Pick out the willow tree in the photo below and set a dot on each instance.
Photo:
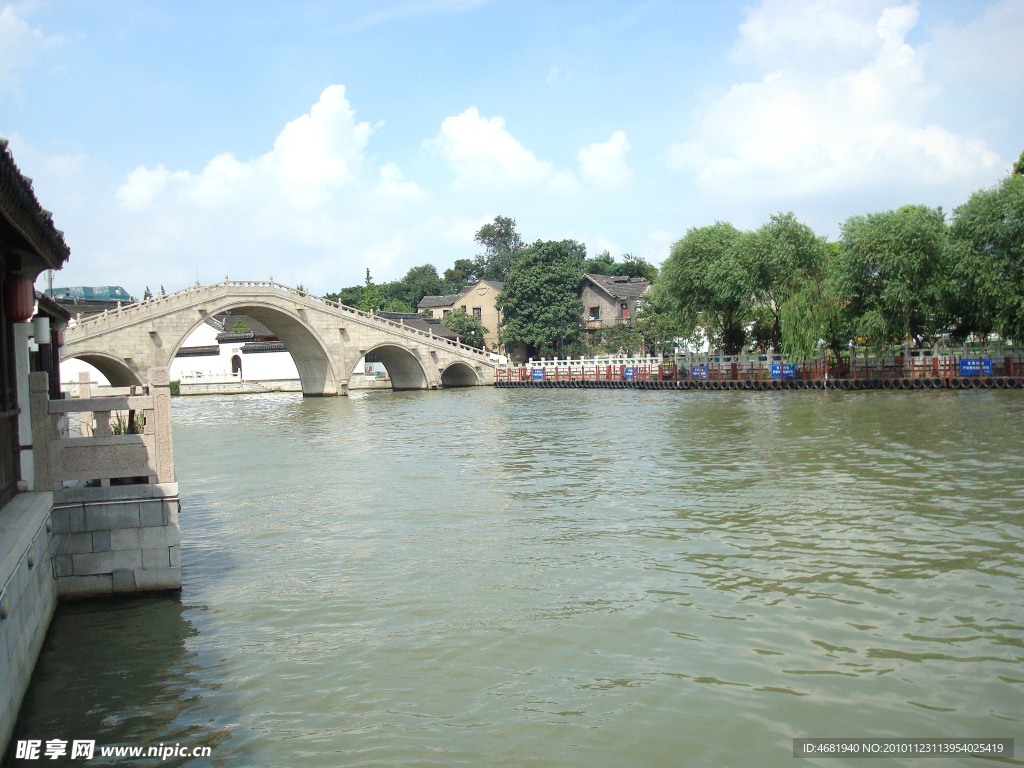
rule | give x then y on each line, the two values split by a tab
786	264
704	285
986	260
890	274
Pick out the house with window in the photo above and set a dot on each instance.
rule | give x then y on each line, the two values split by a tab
477	300
610	300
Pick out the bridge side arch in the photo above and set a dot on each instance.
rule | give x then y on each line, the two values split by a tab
459	374
310	353
116	370
404	368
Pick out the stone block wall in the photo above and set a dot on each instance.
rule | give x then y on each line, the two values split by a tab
116	540
28	596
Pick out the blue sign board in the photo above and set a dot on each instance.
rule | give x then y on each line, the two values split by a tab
783	371
973	366
699	372
538	374
627	373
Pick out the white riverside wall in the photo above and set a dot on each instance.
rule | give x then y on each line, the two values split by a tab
116	540
28	596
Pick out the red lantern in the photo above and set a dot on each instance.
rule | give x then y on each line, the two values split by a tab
19	298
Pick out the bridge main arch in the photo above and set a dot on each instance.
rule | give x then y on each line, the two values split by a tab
309	351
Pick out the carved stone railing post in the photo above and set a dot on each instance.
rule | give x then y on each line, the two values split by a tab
42	429
85	392
160	391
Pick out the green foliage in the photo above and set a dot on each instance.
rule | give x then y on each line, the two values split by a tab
147	294
162	291
889	274
612	338
704	286
502	243
240	327
461	274
602	264
540	302
630	266
176	387
785	264
419	282
1018	167
657	328
372	297
985	259
468	327
120	424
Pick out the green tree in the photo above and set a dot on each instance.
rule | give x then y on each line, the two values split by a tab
814	312
658	329
240	327
985	257
637	266
785	262
890	274
371	298
540	301
602	264
704	286
461	274
147	294
468	327
421	281
502	243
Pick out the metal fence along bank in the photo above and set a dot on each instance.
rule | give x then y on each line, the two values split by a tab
932	368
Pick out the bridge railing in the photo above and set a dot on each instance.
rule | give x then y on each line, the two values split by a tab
189	294
126	435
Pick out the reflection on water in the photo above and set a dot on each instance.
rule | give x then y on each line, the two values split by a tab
568	577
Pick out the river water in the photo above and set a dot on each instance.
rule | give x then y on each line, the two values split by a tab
566	578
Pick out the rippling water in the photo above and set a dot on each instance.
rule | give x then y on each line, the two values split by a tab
567	578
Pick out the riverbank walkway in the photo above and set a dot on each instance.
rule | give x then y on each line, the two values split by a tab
933	368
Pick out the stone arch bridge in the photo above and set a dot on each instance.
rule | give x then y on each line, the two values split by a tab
325	339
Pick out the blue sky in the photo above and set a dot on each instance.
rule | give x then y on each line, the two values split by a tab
310	141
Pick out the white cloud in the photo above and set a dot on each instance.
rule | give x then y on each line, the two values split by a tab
819	124
604	165
314	156
20	47
482	153
984	54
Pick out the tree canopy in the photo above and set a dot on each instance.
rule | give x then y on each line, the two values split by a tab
502	243
468	327
540	302
890	276
705	285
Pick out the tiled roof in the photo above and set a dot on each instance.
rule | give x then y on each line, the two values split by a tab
419	323
620	287
23	218
432	302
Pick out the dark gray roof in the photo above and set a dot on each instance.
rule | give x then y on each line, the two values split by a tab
24	223
430	302
420	323
259	331
620	287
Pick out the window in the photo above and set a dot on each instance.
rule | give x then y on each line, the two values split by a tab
478	314
595	313
625	311
446	313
